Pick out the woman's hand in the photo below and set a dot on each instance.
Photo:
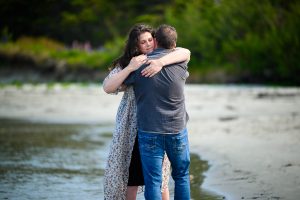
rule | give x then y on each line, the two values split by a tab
136	62
154	67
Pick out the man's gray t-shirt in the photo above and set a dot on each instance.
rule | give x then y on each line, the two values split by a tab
160	99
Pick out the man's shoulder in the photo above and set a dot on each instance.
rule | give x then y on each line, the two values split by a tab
157	53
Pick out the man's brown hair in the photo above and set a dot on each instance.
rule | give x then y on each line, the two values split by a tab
166	36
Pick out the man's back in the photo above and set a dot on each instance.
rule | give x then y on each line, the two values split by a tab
162	121
160	99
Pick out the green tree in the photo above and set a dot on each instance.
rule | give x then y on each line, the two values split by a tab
255	39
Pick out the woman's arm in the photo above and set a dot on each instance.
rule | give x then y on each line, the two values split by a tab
114	82
178	55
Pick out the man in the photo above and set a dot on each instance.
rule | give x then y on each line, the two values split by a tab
162	119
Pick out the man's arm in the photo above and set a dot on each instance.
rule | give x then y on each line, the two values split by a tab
176	56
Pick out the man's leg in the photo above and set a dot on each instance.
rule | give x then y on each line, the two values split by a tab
152	155
177	148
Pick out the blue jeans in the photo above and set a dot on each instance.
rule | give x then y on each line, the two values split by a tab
152	148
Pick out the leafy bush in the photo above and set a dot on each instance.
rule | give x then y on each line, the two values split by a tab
40	50
258	38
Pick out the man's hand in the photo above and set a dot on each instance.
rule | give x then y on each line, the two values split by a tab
154	67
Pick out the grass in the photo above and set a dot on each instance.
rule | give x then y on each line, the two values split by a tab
40	50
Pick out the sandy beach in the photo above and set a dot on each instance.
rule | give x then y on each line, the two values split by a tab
250	135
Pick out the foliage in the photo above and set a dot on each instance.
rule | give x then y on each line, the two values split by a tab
96	21
255	38
40	50
233	40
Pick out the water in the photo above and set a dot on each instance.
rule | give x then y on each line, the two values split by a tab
64	161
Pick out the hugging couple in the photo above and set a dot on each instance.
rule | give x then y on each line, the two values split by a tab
150	135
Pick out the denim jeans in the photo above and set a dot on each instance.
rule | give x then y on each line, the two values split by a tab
152	148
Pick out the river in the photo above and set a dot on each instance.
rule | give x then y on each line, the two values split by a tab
63	161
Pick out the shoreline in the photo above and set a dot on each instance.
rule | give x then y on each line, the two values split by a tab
249	135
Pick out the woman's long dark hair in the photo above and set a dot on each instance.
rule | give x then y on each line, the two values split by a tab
131	48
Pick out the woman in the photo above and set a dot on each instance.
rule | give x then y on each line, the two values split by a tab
123	173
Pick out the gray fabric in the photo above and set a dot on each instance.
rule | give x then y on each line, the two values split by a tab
160	99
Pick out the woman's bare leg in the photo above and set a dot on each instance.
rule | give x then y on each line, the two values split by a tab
165	194
131	192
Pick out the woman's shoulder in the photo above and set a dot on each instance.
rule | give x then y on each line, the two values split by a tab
115	69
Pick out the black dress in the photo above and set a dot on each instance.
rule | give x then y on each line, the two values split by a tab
136	177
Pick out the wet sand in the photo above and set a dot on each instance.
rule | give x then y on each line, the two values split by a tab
249	135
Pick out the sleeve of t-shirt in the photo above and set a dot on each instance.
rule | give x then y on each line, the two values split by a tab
184	73
130	80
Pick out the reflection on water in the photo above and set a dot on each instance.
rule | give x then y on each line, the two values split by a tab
63	161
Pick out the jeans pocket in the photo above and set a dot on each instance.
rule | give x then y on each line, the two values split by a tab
147	144
179	144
